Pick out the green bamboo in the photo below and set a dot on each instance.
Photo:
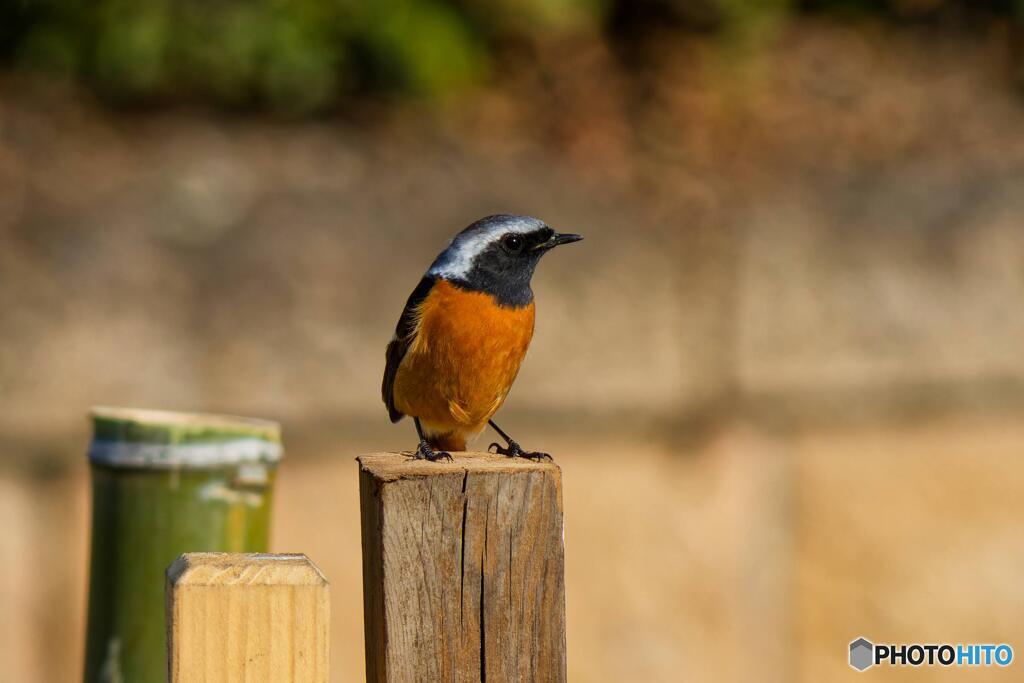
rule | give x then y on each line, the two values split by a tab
164	484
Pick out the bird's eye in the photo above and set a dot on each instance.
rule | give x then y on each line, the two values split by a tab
513	243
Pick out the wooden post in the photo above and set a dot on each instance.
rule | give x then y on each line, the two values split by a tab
163	484
463	571
247	617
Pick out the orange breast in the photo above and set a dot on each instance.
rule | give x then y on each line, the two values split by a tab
465	356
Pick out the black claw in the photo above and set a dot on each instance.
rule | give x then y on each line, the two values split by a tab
536	455
514	450
426	452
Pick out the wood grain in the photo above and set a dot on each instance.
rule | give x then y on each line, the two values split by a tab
463	569
246	617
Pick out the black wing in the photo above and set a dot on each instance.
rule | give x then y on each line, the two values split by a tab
404	333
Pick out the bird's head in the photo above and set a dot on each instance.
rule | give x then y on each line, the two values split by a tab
497	255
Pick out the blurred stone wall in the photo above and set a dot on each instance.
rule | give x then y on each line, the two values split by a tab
848	227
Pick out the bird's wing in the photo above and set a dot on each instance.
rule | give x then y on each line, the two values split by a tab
405	332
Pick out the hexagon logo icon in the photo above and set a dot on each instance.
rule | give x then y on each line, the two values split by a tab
862	654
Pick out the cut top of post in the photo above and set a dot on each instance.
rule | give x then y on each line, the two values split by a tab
394	466
248	569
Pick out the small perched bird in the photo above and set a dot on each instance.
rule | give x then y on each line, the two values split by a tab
463	334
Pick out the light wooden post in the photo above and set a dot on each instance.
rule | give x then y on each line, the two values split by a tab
463	571
247	617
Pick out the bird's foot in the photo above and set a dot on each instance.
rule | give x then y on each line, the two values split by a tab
426	452
514	450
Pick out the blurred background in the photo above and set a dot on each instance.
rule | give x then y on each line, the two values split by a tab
783	375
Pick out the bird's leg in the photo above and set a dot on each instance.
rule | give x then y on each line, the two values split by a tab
425	451
514	450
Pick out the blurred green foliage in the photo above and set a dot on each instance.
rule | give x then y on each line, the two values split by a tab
297	55
305	55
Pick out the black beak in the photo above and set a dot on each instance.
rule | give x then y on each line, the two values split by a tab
557	239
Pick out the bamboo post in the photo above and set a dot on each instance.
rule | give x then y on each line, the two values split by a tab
463	572
163	484
247	617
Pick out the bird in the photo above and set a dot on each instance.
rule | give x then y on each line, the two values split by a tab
462	336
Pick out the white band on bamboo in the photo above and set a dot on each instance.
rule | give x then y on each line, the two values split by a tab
207	454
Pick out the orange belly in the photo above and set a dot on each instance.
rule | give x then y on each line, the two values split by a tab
461	365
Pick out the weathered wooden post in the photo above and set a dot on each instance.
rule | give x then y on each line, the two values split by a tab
247	617
163	484
463	570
